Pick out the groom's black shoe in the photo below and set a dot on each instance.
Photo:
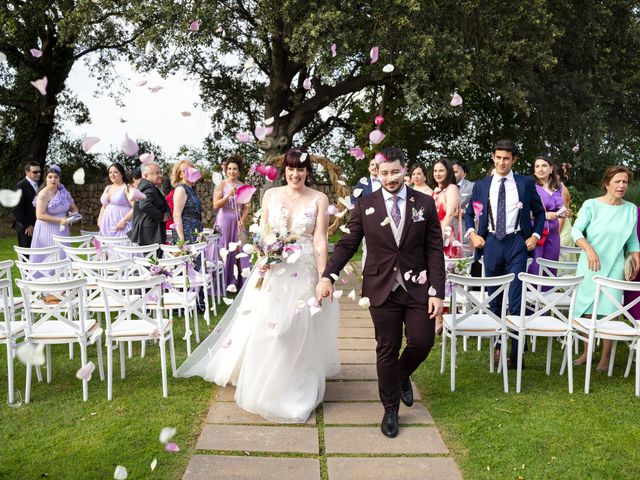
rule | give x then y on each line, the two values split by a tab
389	425
406	392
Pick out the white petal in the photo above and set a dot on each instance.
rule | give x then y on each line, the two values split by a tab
28	353
154	464
147	157
232	246
344	229
301	304
369	211
334	276
388	68
283	113
342	182
364	302
281	271
346	201
407	275
432	291
231	288
246	271
386	221
3	58
120	473
78	176
227	301
269	121
223	254
88	142
166	434
293	258
10	198
357	192
314	310
352	295
247	248
337	293
41	85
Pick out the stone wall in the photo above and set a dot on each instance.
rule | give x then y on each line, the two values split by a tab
87	198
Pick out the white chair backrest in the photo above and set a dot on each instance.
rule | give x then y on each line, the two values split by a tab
106	269
45	272
606	288
70	295
51	254
5	270
82	253
551	302
87	232
476	305
113	240
133	299
566	250
6	309
79	241
561	268
145	251
177	268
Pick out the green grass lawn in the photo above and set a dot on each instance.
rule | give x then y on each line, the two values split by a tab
58	435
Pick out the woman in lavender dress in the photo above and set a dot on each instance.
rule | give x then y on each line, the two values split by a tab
115	215
554	196
230	220
53	203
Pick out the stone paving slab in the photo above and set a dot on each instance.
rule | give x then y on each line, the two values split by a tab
354	413
356	323
207	467
357	372
258	439
357	356
230	412
356	344
350	332
370	440
225	394
356	392
393	469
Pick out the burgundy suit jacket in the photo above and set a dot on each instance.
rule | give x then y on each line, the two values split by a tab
420	248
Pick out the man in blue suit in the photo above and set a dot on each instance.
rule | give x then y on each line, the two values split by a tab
370	184
505	236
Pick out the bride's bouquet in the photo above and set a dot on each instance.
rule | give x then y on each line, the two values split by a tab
275	247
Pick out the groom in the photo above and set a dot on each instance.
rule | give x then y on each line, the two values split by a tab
403	277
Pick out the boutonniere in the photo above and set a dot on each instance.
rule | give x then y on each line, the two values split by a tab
411	199
519	205
417	215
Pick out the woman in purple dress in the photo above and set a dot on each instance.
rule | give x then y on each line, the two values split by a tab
555	198
53	203
115	215
230	220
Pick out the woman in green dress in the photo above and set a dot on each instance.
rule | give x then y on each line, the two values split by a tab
606	231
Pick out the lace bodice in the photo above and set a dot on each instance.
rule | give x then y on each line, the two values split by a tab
301	222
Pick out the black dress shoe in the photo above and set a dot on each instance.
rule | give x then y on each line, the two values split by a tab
406	392
389	425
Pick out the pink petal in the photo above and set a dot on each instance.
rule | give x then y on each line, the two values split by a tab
88	142
97	244
307	83
378	120
268	171
477	208
576	148
41	85
422	277
374	55
262	132
194	26
243	137
338	293
84	373
121	119
155	88
129	147
380	157
141	83
135	195
376	136
244	194
192	174
357	153
332	210
171	447
432	291
225	343
456	100
147	157
185	113
35	52
333	50
219	29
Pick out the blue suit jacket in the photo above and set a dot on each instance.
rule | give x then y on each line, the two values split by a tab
367	189
531	207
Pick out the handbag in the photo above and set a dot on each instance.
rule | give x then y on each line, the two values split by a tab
629	267
543	238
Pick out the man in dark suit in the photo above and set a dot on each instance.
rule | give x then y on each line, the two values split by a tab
25	212
403	277
150	213
505	236
369	184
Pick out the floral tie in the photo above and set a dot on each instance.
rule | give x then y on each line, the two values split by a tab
501	220
395	211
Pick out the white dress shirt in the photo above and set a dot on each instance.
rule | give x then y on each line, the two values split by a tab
375	184
34	184
396	230
512	204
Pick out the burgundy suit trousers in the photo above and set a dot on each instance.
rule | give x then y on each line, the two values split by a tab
398	311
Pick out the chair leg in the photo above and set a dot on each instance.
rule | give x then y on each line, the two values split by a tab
172	352
207	314
612	357
130	347
491	349
27	388
38	373
187	334
629	360
464	343
637	371
479	343
10	369
452	367
503	362
163	367
521	342
47	351
109	369
534	344
569	360
143	348
587	376
71	351
98	343
443	360
549	348
196	327
83	363
122	359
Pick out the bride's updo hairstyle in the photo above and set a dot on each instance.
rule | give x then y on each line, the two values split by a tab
294	159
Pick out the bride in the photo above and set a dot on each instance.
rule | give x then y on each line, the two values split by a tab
275	343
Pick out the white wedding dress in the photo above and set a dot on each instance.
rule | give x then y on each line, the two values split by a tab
267	344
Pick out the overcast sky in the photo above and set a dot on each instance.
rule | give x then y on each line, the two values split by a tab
154	117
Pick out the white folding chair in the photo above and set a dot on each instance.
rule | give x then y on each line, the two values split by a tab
64	322
611	327
90	253
179	297
463	267
215	268
569	254
131	251
10	330
52	272
78	241
548	317
49	254
137	306
477	320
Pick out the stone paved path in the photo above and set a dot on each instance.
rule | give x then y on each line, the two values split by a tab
341	442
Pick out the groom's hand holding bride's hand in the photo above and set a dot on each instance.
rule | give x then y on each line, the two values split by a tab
324	289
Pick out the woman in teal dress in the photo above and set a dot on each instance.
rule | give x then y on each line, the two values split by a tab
606	230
